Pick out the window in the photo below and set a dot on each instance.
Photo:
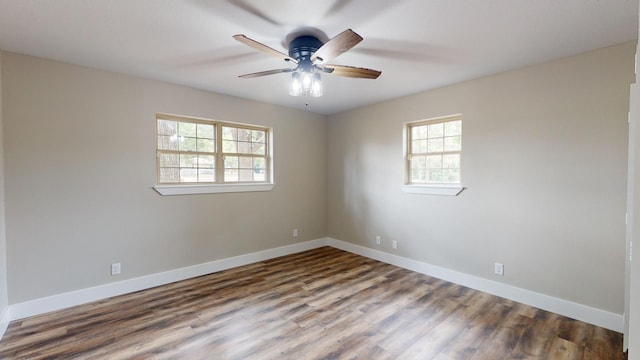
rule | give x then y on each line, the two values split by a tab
186	152
244	151
433	151
200	151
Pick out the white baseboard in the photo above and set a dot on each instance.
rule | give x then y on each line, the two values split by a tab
60	301
82	296
570	309
5	320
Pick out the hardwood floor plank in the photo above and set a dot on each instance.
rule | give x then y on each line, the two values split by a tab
319	304
479	329
433	342
397	343
539	339
601	341
505	337
564	349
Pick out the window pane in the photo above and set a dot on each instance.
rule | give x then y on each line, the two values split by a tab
257	149
169	175
246	175
205	145
188	175
435	175
167	127
206	162
245	162
435	130
257	136
229	146
453	143
186	129
259	176
453	128
451	176
188	161
435	145
259	164
244	147
169	160
187	143
231	175
259	169
229	133
434	161
451	161
205	131
419	146
206	175
244	135
418	132
418	175
166	142
418	162
230	162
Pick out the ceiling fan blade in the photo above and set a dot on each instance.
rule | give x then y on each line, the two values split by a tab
336	46
242	4
264	48
265	73
351	71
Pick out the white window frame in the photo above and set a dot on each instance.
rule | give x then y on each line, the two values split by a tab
219	186
426	188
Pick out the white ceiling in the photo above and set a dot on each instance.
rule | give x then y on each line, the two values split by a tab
417	44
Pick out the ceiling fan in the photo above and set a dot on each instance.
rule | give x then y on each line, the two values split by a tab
311	56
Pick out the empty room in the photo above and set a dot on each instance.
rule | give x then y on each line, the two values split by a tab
339	179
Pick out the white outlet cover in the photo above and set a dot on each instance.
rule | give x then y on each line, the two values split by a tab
394	244
498	269
115	269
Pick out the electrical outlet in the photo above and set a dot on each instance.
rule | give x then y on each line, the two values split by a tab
295	232
115	269
378	240
394	244
498	269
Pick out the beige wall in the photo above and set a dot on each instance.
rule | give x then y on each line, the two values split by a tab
3	248
544	164
80	166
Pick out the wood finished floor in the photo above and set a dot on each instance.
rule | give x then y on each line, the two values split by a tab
320	304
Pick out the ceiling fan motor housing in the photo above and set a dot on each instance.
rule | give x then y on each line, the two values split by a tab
302	48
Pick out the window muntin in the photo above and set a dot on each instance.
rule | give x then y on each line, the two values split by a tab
197	151
434	148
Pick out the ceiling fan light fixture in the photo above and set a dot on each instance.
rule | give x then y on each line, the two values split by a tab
316	85
305	83
307	79
295	87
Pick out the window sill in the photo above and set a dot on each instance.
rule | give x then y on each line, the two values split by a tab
210	189
432	189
